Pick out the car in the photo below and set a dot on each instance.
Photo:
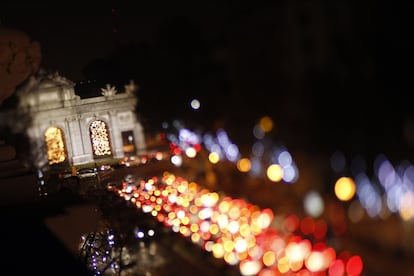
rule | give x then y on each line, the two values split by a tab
119	165
113	186
105	167
87	172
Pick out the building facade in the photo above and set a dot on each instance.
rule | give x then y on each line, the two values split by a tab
63	128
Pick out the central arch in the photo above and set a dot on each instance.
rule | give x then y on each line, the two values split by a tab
100	139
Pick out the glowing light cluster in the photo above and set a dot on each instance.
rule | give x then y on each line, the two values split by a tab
276	160
389	190
186	141
100	138
221	146
100	248
104	253
236	231
275	163
136	160
55	145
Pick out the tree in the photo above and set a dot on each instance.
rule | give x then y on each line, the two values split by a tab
20	57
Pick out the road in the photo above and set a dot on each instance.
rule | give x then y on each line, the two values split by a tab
384	245
54	225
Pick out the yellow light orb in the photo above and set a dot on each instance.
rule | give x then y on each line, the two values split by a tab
213	157
218	250
283	265
345	188
275	172
269	258
266	124
406	209
244	165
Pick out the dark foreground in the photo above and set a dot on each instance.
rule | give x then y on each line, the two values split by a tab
29	247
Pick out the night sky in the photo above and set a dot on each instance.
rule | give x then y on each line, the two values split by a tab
331	75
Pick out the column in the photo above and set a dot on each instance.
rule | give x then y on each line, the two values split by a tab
115	134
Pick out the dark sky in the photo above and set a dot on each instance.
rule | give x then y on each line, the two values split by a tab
330	74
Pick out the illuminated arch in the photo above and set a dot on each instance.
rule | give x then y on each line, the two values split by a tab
99	135
55	145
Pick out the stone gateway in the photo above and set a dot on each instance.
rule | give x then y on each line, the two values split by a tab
63	128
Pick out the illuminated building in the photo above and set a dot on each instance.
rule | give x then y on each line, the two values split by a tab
63	128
